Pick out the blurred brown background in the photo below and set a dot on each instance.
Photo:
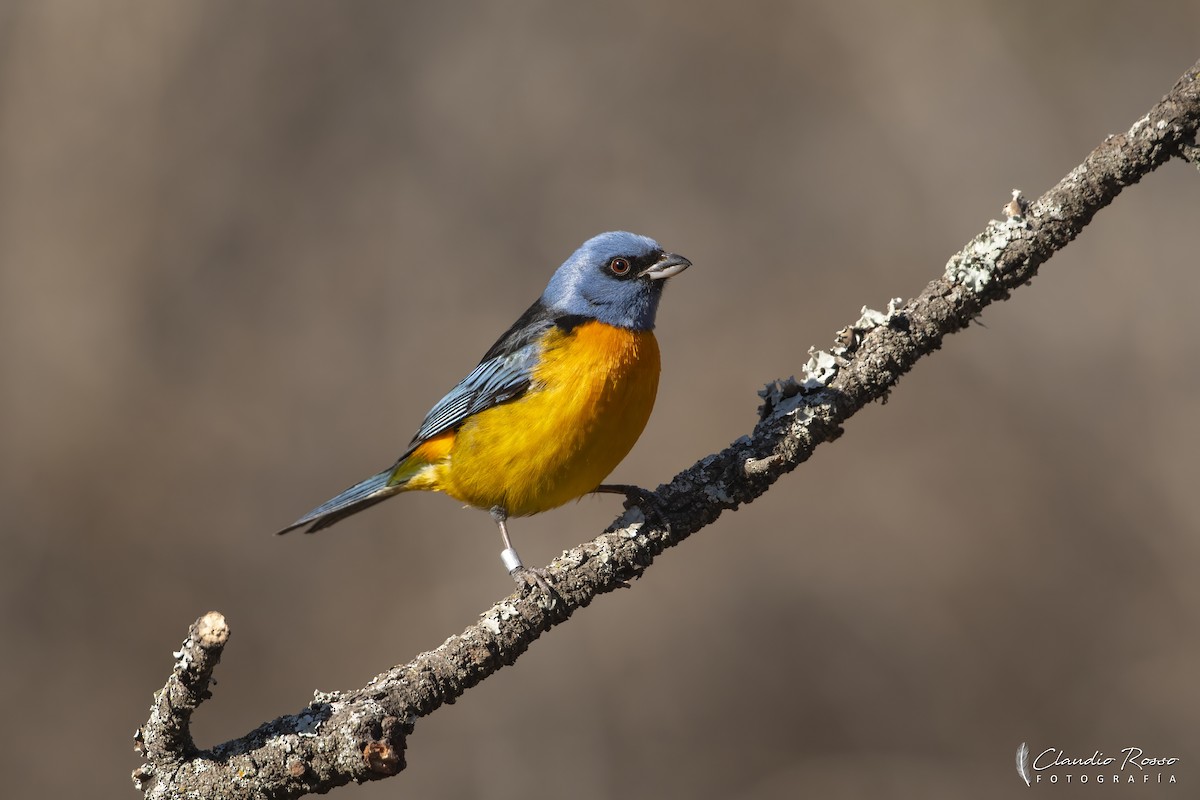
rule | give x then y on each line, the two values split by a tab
245	246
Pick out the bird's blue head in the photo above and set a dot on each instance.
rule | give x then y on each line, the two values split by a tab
616	278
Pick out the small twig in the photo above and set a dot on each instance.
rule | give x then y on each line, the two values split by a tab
166	739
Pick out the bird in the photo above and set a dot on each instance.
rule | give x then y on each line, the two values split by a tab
552	407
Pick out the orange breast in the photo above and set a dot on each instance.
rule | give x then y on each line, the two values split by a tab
591	398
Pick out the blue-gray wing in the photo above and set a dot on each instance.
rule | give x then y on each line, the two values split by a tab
497	380
504	374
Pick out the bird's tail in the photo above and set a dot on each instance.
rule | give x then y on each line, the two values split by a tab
359	496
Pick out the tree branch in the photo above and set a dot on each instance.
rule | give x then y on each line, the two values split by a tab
359	735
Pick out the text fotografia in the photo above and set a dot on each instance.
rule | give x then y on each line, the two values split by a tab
1131	765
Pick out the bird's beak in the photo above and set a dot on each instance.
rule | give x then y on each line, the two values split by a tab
670	264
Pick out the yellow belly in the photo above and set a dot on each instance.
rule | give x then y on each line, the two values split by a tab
591	397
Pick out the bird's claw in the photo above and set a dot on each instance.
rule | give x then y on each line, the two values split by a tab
644	499
532	578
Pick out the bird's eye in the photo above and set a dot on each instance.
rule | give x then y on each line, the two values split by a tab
619	266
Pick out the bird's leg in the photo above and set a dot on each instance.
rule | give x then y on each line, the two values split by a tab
524	576
637	496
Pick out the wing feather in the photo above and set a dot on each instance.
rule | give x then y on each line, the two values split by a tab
504	374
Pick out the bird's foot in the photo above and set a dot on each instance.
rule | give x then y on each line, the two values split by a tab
644	499
525	576
533	578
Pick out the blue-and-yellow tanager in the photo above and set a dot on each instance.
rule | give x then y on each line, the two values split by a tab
552	408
